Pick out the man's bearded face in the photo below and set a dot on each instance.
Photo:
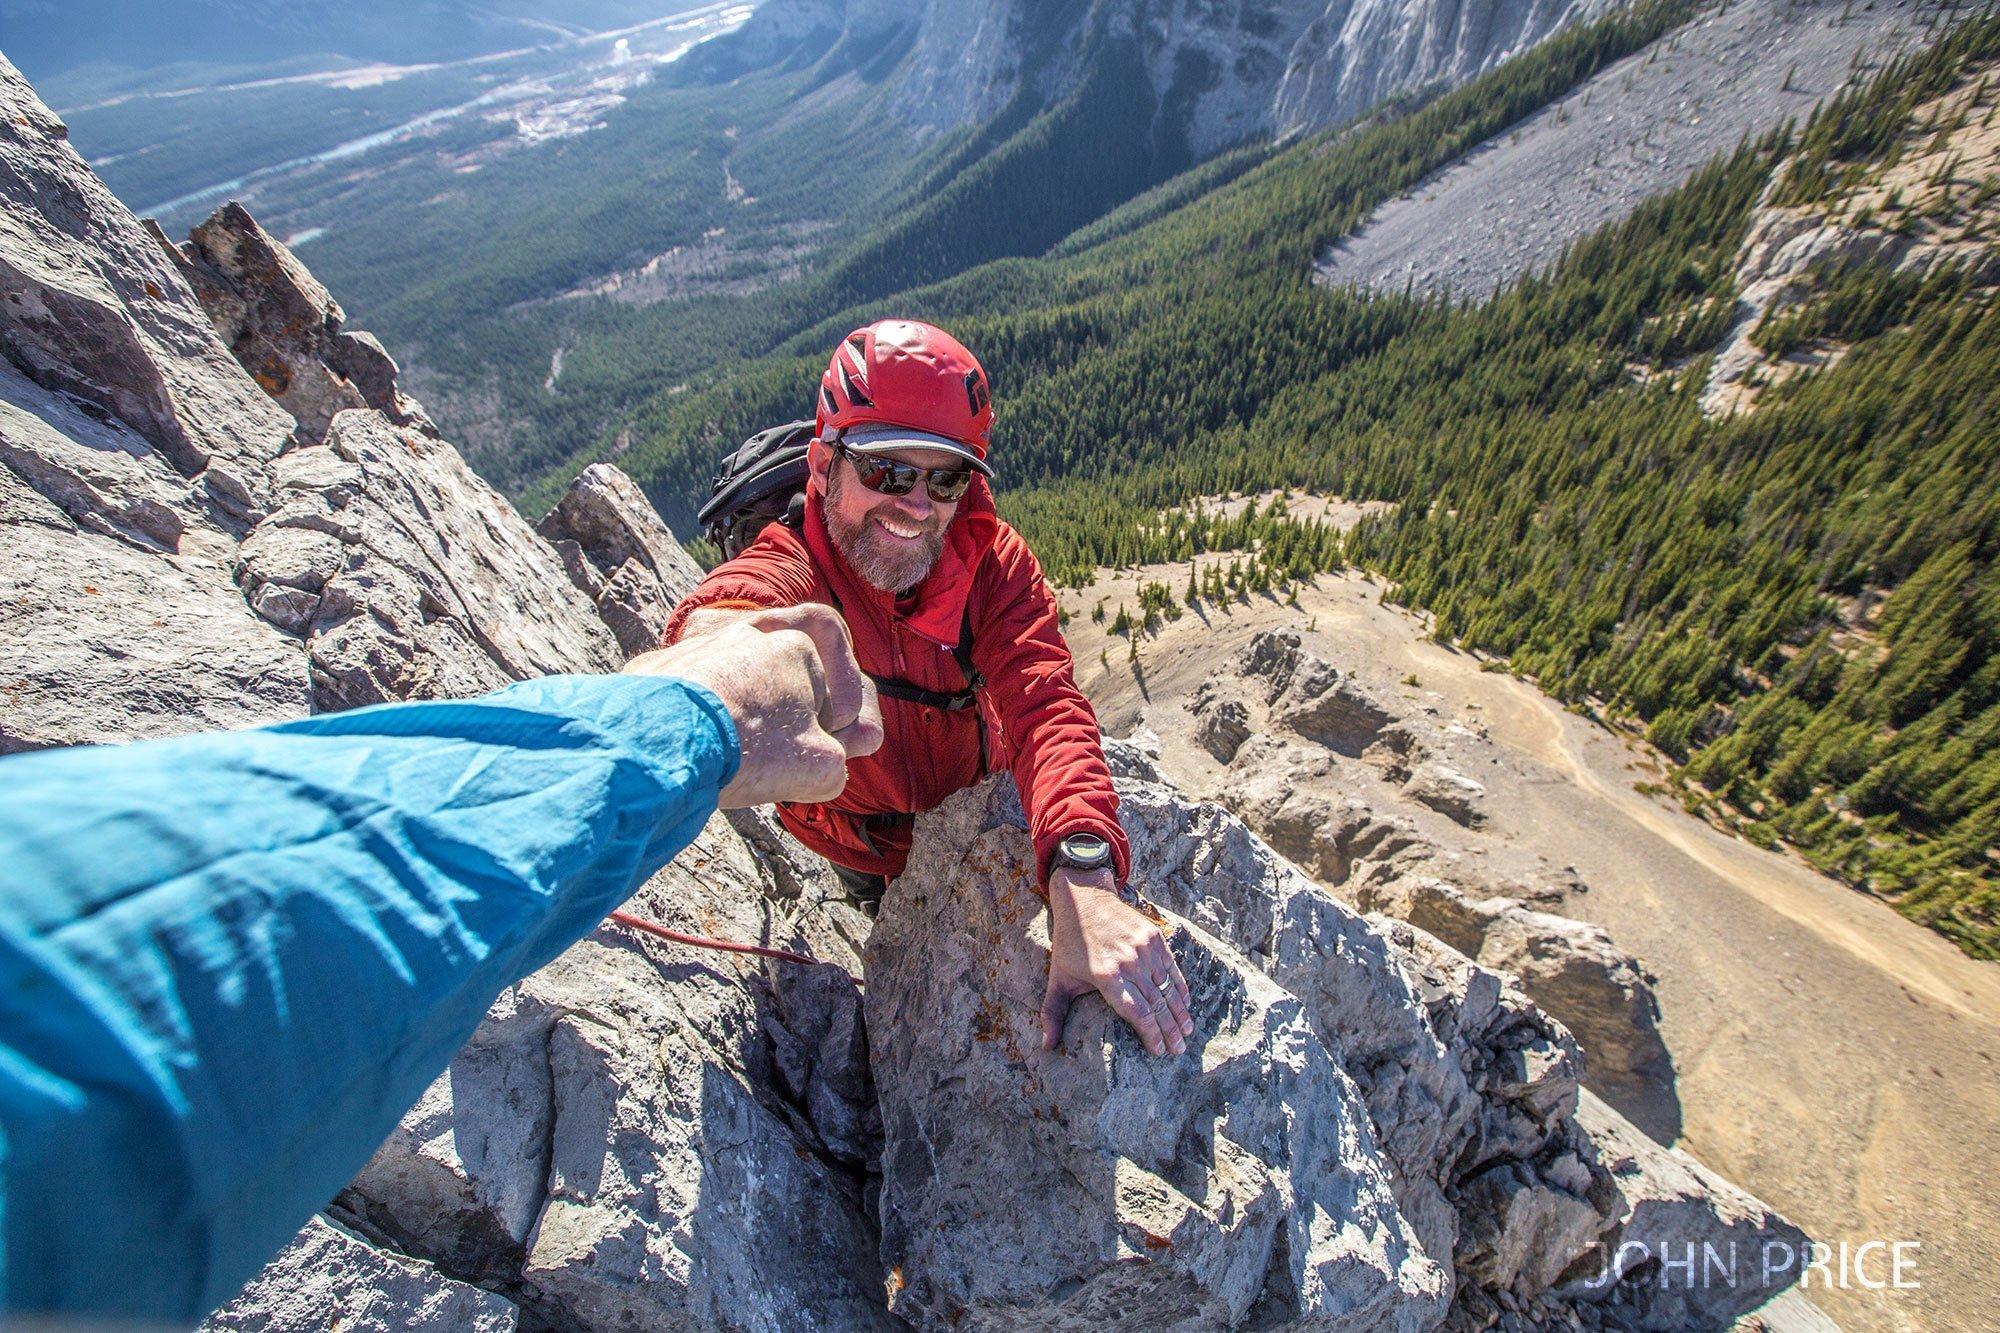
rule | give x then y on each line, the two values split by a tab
891	541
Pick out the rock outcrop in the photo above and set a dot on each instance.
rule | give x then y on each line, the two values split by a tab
620	555
133	450
1064	1189
1354	56
330	1278
1294	782
1919	216
633	1134
1372	1130
284	327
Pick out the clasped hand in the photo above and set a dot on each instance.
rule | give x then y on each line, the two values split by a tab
801	705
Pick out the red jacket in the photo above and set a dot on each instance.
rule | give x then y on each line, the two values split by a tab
1037	722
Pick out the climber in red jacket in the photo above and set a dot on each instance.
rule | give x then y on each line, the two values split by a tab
951	616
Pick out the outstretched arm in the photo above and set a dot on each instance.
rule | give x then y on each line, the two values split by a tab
1099	942
229	962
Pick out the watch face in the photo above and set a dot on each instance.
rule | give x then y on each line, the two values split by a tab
1086	851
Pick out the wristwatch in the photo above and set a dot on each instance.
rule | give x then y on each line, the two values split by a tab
1082	851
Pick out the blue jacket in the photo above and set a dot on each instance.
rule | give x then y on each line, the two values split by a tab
230	962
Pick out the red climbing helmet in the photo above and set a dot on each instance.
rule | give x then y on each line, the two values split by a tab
901	384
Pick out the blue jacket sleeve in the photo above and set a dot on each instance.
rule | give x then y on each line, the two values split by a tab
229	962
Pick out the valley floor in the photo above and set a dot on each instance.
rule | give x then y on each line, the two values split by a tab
1833	1058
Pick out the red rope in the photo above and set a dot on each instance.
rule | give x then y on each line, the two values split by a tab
631	922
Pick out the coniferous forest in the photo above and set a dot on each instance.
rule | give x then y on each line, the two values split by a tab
1798	603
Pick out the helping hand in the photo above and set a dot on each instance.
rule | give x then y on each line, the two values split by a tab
1098	942
801	705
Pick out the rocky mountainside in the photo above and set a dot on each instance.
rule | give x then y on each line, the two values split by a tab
1398	833
1636	130
1223	71
1929	213
220	510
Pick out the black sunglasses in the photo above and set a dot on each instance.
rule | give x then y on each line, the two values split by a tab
946	485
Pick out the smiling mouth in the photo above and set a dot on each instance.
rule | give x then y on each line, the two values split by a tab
901	532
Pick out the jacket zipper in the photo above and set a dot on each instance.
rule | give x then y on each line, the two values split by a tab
910	785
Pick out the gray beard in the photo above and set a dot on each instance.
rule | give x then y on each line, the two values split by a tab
881	566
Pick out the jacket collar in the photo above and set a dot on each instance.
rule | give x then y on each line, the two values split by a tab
939	608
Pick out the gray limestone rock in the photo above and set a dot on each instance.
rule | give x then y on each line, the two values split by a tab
625	1140
1294	796
106	632
1690	1250
1330	711
1223	720
819	1049
275	316
1474	1093
328	1278
1230	72
409	577
90	307
1358	53
1291	795
620	555
1447	791
100	473
101	643
1569	968
1203	863
1308	696
1271	660
1597	990
1024	1188
1457	1067
284	327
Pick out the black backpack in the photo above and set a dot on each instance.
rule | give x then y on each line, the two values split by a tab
764	482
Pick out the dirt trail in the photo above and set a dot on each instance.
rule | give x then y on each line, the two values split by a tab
1836	1059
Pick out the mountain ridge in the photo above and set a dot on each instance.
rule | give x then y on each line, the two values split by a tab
1224	72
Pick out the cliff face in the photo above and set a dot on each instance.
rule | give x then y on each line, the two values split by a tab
1223	70
1358	53
218	509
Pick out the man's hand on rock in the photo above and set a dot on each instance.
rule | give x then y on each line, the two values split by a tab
801	705
1099	942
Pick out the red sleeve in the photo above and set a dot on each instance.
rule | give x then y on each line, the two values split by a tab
773	571
1058	752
